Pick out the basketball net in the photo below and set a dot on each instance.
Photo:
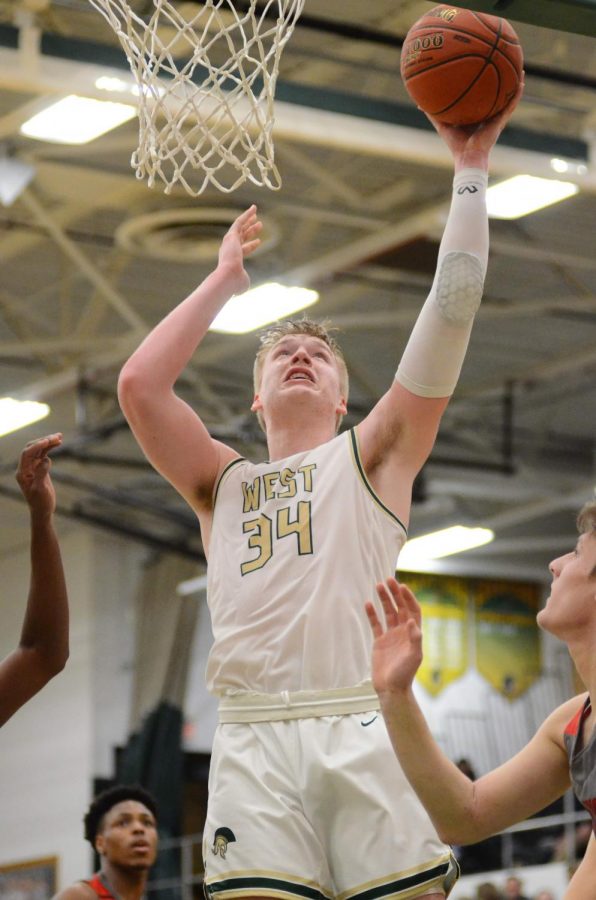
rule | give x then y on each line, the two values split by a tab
206	76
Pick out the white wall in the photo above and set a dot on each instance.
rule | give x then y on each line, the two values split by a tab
116	567
45	749
52	748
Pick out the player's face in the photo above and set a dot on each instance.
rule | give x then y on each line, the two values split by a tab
128	837
572	601
301	366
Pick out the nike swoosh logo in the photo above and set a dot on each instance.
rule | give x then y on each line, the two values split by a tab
364	724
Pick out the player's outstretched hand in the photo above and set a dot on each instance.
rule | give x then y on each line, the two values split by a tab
33	474
470	145
241	239
397	648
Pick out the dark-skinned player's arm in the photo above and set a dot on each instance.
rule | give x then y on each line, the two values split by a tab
401	429
43	646
461	810
170	433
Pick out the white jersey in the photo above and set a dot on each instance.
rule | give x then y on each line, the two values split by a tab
297	546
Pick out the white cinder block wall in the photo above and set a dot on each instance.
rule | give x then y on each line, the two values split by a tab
51	750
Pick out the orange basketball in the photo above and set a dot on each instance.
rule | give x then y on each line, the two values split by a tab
461	66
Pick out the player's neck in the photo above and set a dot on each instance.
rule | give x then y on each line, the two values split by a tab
126	884
584	658
289	437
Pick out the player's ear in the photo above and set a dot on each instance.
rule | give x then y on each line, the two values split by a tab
342	407
256	404
99	844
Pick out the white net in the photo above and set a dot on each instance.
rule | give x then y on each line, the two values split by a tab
206	76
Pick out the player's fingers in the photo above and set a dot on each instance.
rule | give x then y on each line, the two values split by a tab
246	216
252	232
34	451
414	632
253	227
373	619
411	604
250	246
388	604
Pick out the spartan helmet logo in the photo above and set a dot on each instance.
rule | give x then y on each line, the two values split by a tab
222	837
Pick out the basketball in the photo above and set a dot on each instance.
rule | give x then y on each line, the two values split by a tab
461	67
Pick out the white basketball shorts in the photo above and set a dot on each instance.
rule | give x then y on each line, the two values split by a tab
317	808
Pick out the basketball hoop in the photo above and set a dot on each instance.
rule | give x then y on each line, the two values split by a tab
206	76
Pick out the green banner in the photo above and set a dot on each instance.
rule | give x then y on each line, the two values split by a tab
444	602
508	651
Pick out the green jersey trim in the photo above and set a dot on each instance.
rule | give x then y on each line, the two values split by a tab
229	466
366	482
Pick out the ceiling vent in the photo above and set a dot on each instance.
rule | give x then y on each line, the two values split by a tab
185	235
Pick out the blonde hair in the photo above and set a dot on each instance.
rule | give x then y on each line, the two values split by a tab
307	326
586	520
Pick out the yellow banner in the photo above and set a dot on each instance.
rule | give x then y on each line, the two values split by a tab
508	650
444	601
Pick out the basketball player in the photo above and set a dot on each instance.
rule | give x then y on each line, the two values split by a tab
121	825
302	778
43	647
563	750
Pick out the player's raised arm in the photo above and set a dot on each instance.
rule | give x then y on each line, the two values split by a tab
462	811
402	427
170	433
43	645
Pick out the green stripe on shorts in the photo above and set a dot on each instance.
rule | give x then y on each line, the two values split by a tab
253	883
401	885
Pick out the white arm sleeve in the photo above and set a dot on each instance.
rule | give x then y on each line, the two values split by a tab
434	355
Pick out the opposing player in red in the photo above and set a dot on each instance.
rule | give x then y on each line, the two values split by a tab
563	750
121	825
302	772
43	647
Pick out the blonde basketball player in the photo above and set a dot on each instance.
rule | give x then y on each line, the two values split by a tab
304	781
561	754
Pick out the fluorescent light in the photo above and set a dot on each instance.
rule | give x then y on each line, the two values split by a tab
437	544
15	414
559	165
524	194
261	305
192	586
77	120
106	83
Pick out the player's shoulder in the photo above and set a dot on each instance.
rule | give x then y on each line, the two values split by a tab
225	455
81	890
556	723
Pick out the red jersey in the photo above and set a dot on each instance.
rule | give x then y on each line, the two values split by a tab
99	887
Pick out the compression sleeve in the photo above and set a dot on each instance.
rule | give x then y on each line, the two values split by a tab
435	352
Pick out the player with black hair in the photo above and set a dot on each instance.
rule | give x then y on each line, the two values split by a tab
121	825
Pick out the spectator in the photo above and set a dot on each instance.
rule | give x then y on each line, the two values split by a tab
488	891
513	889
